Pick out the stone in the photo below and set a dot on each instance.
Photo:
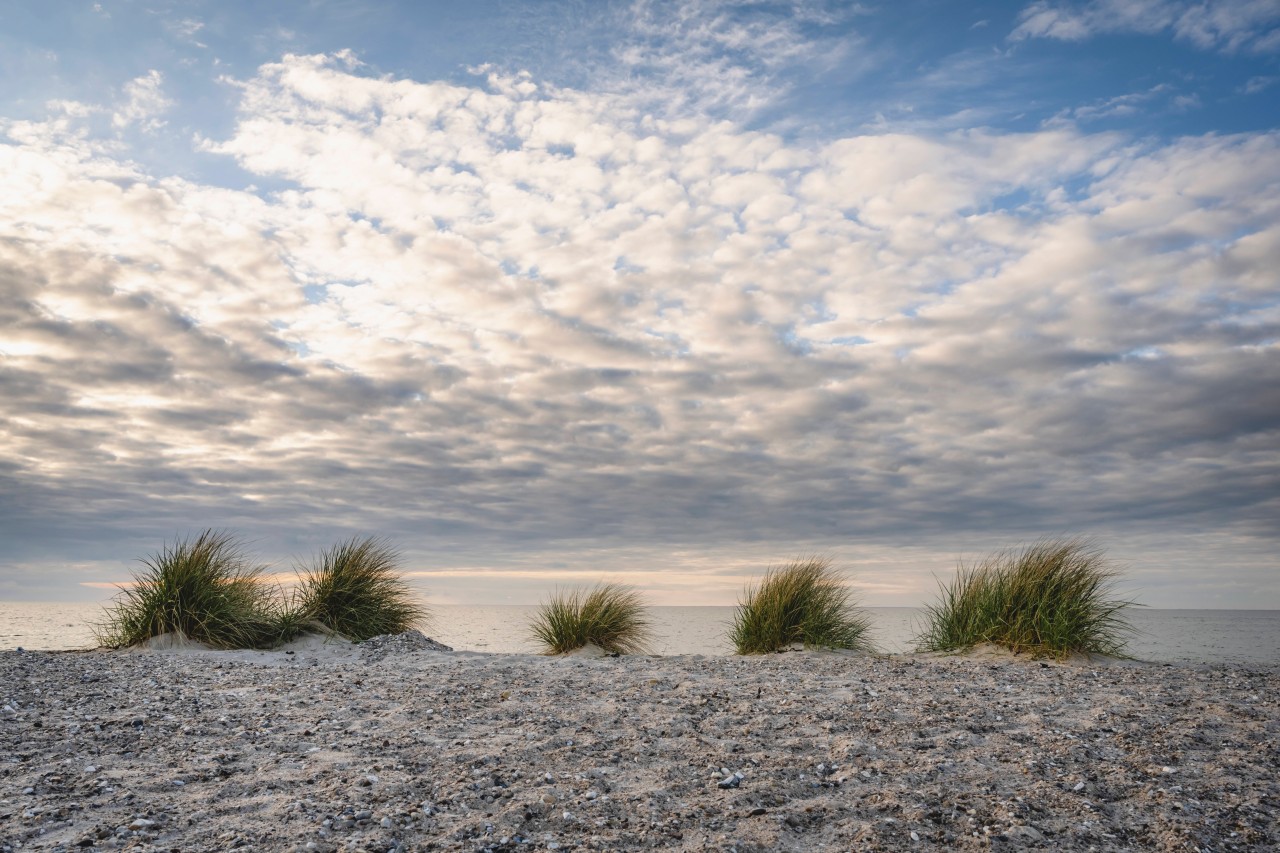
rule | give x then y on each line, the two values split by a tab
731	781
1024	833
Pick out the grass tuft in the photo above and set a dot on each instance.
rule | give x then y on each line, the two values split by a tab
1051	598
355	589
805	602
609	615
203	589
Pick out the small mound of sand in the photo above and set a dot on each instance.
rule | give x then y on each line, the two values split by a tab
377	648
590	650
317	643
993	652
176	643
173	642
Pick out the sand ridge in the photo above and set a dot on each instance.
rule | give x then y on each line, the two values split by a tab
395	745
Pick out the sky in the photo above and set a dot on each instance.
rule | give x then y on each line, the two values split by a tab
664	293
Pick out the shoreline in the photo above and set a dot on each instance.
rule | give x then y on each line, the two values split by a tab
1176	636
395	746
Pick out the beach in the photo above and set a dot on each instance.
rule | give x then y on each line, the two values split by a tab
395	744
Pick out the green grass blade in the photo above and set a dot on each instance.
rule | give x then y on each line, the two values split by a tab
803	602
1052	598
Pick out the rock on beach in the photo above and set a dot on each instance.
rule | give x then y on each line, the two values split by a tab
404	745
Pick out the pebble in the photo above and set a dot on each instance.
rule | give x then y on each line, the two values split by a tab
731	781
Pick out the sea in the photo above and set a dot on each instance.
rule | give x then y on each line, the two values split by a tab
1162	636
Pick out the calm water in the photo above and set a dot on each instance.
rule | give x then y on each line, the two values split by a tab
1199	636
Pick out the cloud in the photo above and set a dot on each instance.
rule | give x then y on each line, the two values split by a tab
1255	85
509	324
185	28
724	56
146	102
1161	98
1232	26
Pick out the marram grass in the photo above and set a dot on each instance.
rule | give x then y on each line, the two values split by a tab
805	602
609	615
203	590
1052	598
355	589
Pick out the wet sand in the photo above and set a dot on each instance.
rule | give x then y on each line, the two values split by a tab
393	745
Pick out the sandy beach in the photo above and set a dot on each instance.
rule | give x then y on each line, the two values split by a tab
394	745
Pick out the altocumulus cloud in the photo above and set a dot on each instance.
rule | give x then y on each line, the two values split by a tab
1227	25
515	326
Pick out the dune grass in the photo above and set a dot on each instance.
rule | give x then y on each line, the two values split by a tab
1052	598
805	602
609	615
355	589
204	590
